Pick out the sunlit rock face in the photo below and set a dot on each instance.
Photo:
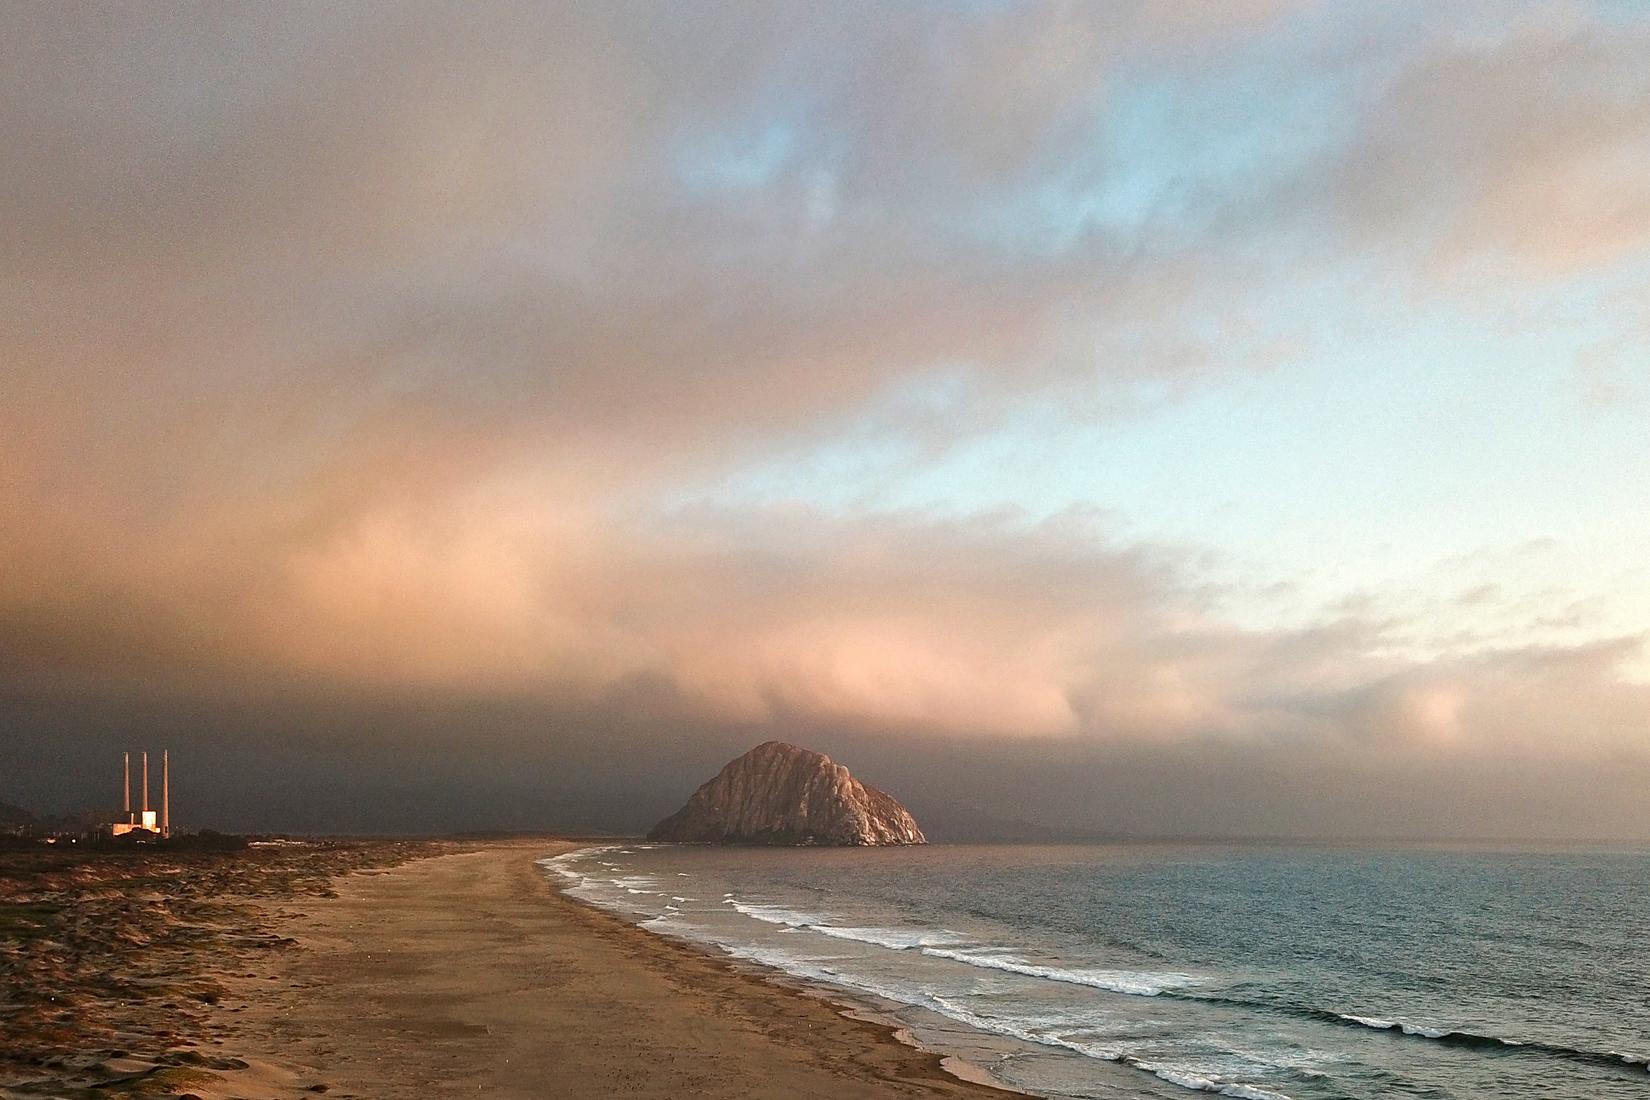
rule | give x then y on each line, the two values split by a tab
780	794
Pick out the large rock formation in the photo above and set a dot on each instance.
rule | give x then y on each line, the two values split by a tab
780	794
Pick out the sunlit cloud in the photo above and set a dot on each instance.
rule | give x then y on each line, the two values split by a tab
789	368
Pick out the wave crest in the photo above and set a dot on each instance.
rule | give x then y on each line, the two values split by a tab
1134	983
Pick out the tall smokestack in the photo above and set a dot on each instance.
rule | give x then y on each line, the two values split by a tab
145	782
126	770
165	793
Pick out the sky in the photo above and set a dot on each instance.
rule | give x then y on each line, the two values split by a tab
1128	419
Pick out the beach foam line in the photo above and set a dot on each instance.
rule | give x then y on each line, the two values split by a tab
665	922
945	944
818	970
772	914
895	939
1187	1079
1174	1075
576	883
1133	983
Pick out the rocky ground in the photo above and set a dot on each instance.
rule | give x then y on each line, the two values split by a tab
113	964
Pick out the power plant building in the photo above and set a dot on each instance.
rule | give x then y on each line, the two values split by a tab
146	820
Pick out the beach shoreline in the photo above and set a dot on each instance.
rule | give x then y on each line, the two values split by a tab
474	972
851	1004
390	969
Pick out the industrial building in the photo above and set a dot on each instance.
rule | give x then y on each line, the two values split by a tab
146	820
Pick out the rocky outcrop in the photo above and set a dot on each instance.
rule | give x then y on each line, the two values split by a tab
780	794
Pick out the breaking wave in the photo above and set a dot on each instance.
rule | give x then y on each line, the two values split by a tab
895	939
1612	1059
1134	983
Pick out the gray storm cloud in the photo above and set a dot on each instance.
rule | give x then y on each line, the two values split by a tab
369	352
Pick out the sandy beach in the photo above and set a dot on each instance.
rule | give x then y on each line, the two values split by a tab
129	972
470	974
464	972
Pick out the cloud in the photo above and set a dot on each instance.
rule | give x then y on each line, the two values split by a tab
1531	146
286	295
990	627
371	353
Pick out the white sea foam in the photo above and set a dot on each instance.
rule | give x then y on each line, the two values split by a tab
941	943
1369	1021
772	914
666	923
1408	1029
1434	1032
1174	1075
562	864
816	969
559	865
895	939
1018	1029
1189	1079
1135	983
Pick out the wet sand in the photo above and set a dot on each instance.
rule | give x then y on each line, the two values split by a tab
469	973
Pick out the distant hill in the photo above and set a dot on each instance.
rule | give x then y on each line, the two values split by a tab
11	816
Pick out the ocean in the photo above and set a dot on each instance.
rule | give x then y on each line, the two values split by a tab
1113	971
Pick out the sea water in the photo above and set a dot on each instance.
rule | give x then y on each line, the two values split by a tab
1114	971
